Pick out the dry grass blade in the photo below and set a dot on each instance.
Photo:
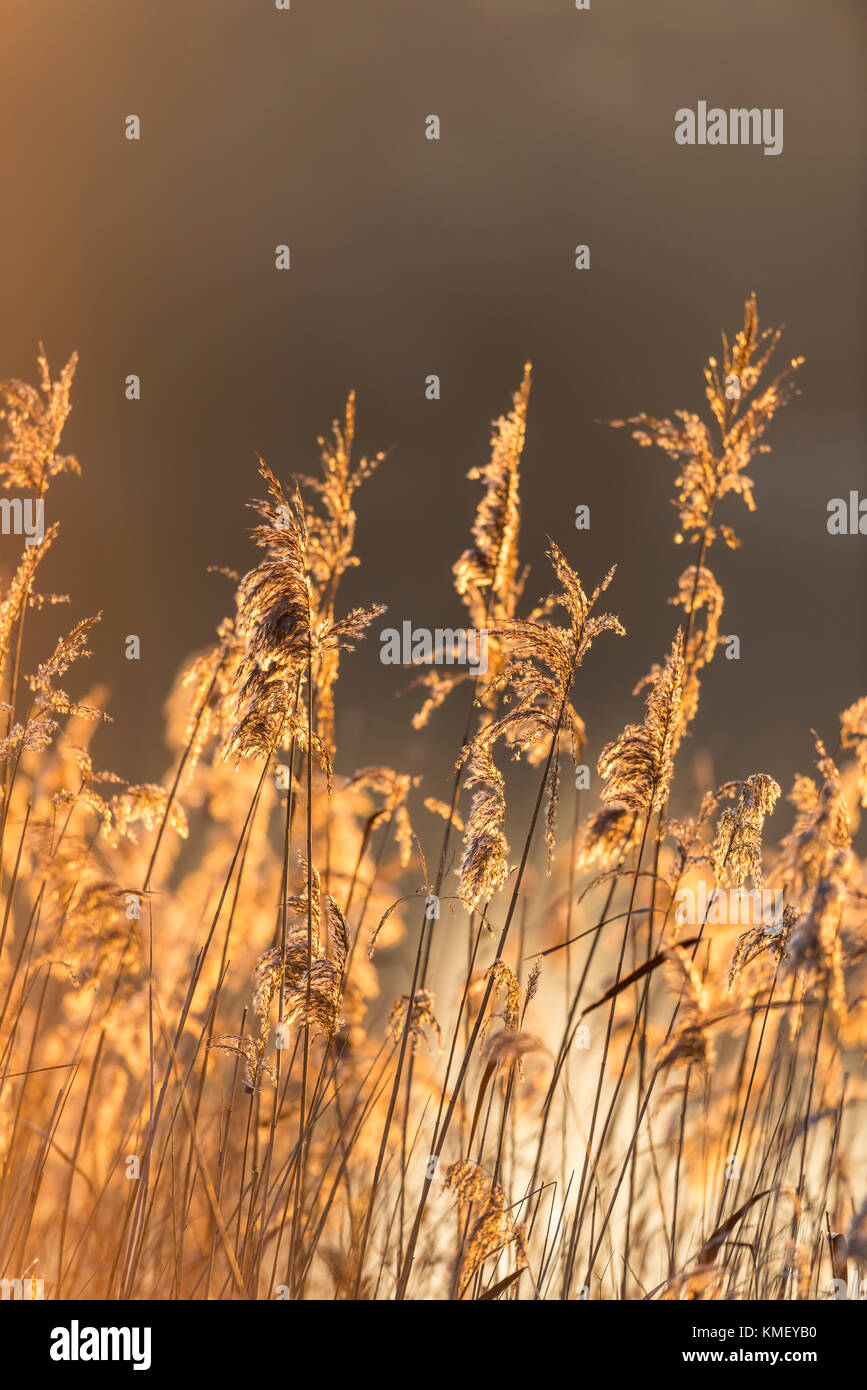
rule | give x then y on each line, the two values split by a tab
646	969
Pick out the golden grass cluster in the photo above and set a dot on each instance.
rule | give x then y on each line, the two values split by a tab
577	1092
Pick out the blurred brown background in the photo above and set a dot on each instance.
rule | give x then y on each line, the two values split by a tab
411	257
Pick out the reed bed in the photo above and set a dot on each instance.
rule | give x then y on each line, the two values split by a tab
586	1088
